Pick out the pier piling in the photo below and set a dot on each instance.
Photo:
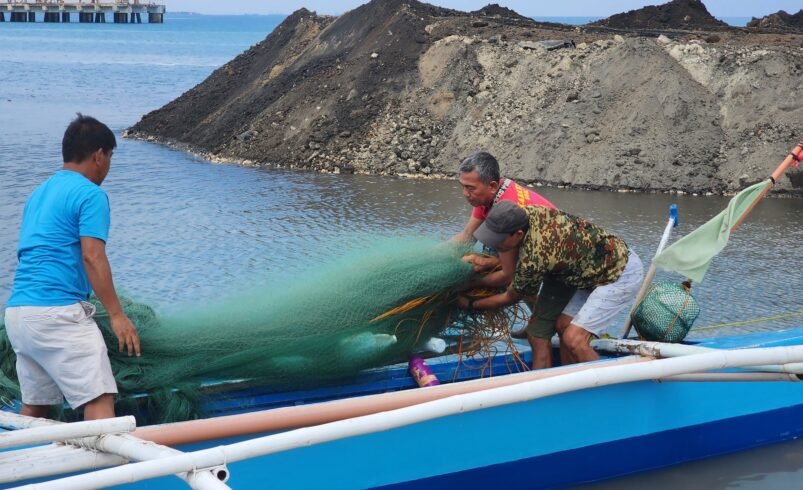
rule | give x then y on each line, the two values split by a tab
89	12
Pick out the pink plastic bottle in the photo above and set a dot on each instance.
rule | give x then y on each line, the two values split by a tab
421	373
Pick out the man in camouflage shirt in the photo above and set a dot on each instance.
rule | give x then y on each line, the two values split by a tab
561	250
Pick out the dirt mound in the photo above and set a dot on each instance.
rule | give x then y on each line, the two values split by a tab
779	20
312	79
398	87
677	14
496	10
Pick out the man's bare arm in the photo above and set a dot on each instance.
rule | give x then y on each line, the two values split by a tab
99	272
500	278
467	235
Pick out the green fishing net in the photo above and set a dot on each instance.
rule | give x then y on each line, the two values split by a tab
364	310
666	313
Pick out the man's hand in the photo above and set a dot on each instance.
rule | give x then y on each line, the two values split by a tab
509	297
463	302
99	272
126	332
482	263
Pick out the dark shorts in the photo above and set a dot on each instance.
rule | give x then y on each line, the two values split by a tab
547	307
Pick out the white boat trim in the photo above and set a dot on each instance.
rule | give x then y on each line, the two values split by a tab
665	350
62	432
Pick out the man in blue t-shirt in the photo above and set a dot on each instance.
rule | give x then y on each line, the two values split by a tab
62	259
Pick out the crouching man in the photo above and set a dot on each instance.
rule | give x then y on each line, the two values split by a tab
561	250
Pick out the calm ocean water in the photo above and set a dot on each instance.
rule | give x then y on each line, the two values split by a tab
185	231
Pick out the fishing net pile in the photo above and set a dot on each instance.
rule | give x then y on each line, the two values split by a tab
364	310
667	312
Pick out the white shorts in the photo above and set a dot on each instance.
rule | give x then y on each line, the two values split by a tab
594	310
60	354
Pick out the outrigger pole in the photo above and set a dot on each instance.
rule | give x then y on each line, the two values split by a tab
86	446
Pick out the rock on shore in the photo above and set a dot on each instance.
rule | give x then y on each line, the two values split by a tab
779	20
401	87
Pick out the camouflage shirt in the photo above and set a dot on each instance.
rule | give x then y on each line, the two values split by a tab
572	250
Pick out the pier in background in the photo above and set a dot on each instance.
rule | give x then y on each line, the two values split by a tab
89	12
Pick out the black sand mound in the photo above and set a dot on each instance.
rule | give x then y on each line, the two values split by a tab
496	10
347	67
677	14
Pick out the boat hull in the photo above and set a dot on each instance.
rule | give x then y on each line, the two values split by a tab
567	439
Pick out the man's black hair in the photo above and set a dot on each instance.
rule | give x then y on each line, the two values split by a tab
484	163
83	137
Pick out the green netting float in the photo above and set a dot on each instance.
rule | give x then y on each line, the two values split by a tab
666	313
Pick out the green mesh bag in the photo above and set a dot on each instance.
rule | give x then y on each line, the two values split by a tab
666	313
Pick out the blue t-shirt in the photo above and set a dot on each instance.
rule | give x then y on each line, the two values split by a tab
63	209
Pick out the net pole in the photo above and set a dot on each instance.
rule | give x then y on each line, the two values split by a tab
670	224
793	159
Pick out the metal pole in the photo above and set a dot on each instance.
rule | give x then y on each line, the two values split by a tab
672	223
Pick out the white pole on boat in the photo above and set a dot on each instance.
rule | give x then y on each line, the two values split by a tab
50	460
117	447
62	432
138	450
455	405
648	277
729	377
664	349
647	348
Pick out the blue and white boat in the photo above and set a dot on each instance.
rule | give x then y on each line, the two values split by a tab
539	429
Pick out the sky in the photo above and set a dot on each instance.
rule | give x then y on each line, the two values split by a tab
531	8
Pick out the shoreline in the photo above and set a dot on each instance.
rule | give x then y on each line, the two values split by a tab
351	170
